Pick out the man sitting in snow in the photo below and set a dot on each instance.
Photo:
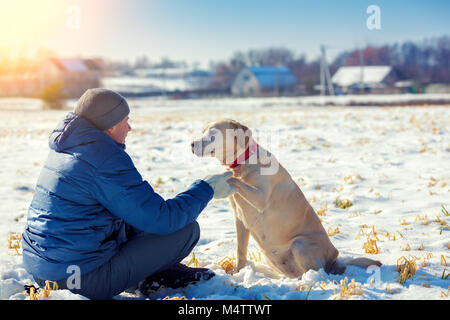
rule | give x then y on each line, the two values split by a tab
93	212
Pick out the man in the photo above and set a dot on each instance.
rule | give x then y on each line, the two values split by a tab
92	213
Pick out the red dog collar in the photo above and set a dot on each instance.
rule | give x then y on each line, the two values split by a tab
250	150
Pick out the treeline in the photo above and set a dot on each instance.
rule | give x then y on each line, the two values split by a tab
423	62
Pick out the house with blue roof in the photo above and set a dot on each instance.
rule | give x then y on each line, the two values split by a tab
257	81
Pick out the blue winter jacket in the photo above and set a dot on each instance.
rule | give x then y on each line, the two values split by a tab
87	193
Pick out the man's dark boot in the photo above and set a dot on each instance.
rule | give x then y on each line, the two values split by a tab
177	276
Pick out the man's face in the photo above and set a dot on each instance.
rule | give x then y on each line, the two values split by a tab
120	131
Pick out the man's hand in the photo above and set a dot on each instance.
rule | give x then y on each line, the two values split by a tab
219	184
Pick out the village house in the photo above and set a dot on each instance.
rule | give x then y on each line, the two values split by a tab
364	79
259	81
77	75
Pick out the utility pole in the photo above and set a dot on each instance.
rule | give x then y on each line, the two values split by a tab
325	77
361	72
322	73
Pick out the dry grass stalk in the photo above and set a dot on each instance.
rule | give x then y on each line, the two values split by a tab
348	289
432	183
406	248
158	182
406	269
256	257
323	209
227	264
441	222
343	204
424	219
301	287
193	260
445	294
391	291
403	222
361	232
355	214
45	293
444	211
388	235
426	259
14	242
176	298
443	260
362	141
322	285
331	232
349	180
370	246
337	190
373	233
445	227
392	237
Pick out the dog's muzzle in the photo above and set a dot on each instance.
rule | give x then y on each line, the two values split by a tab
202	148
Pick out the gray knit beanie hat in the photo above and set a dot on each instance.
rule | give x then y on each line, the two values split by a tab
102	107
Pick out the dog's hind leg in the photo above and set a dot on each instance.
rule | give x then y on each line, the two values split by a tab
306	256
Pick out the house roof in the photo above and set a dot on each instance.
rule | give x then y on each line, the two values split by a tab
274	76
91	64
75	64
347	76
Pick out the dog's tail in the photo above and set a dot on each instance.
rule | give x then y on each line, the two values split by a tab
363	262
338	267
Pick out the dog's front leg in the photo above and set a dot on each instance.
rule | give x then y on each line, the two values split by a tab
255	196
243	235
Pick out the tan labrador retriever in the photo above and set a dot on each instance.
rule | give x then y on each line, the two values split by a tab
269	205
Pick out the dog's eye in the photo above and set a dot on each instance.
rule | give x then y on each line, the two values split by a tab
212	138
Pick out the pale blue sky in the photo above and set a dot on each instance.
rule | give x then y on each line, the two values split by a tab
203	30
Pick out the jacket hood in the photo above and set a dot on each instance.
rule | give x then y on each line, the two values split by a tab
73	131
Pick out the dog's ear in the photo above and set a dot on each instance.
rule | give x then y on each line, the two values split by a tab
244	140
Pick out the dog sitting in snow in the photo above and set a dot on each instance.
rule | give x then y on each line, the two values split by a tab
270	206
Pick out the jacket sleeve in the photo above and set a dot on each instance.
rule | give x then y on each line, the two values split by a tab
120	189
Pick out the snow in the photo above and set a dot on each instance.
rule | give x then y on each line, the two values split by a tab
392	163
372	100
170	82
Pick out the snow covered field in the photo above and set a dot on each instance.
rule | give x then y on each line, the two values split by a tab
392	164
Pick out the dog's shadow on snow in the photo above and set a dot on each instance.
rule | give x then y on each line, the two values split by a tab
245	285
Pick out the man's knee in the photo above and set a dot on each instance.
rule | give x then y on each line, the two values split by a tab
195	234
196	230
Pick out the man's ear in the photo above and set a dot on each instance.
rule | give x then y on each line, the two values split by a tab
109	131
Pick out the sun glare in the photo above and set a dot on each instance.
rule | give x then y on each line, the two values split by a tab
24	23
